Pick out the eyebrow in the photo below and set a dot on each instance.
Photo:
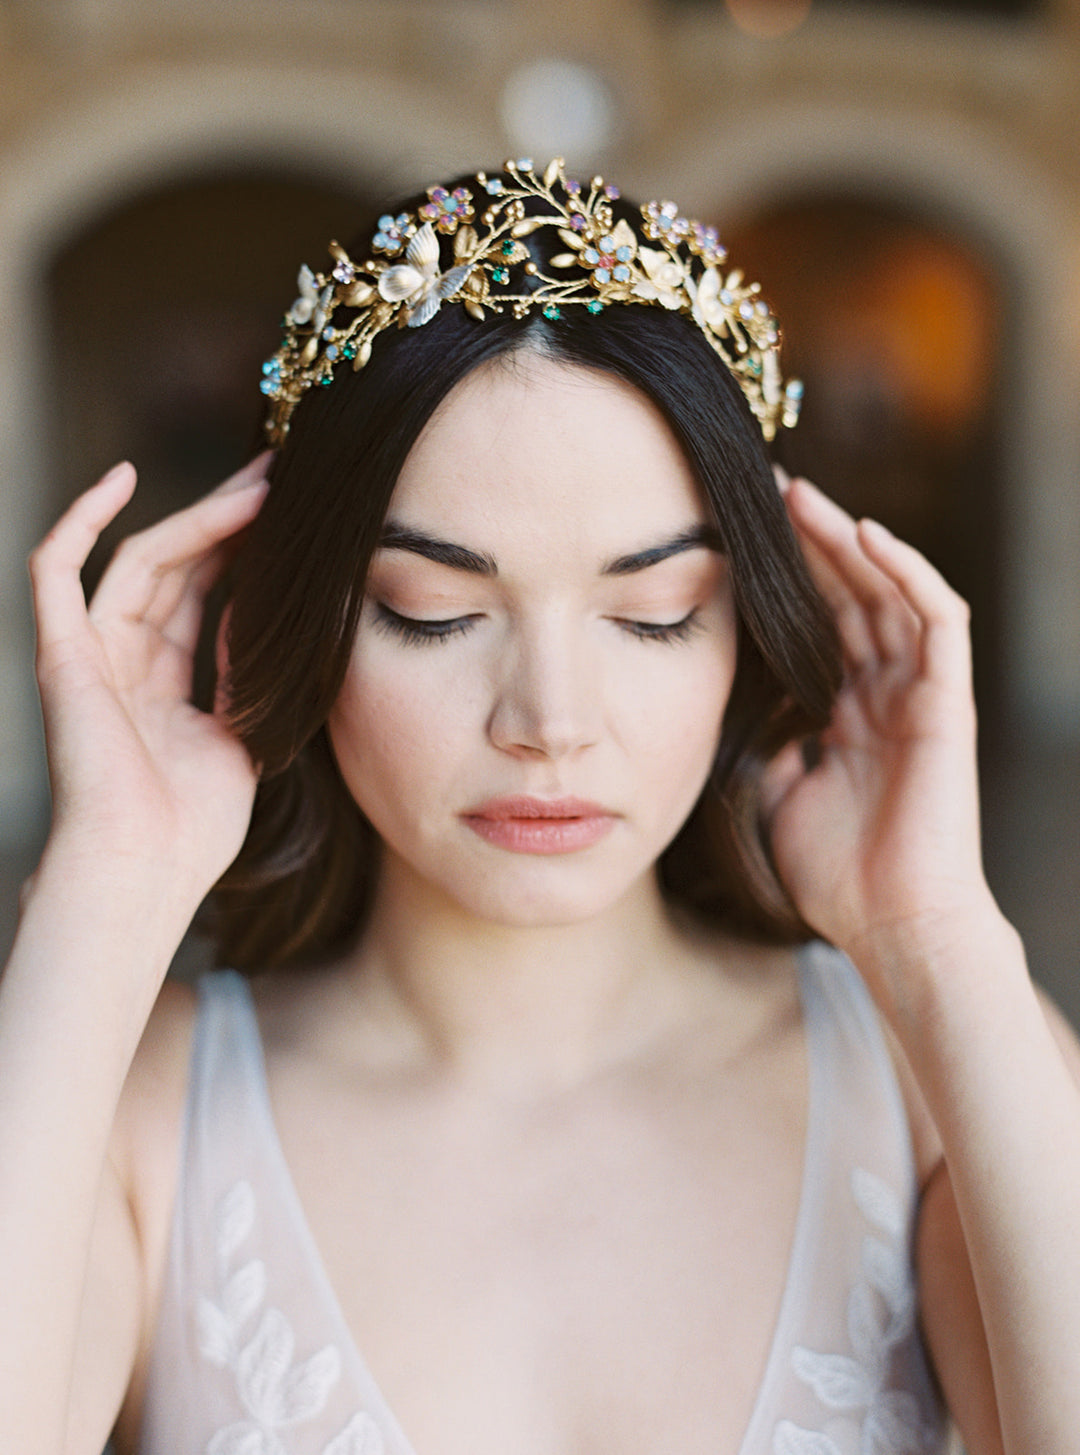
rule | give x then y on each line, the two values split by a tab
445	553
687	540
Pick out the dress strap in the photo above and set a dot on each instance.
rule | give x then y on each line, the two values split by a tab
854	1371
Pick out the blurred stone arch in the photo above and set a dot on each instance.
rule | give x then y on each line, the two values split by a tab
960	179
99	151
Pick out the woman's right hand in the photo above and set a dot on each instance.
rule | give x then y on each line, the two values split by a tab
147	789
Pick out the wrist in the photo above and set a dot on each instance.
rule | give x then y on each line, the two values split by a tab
924	969
79	890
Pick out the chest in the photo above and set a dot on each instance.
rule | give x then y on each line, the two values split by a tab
599	1275
708	1264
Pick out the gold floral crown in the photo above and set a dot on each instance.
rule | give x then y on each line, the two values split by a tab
673	263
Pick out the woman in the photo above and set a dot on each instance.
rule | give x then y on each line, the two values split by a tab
555	761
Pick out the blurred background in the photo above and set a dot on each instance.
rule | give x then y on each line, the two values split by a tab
904	180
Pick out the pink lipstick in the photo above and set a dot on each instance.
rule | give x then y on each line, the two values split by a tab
540	825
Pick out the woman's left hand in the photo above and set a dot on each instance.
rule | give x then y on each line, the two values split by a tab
877	841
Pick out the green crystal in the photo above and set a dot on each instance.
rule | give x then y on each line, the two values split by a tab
508	249
500	275
594	305
552	313
349	351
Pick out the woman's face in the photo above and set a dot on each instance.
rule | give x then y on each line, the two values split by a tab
545	650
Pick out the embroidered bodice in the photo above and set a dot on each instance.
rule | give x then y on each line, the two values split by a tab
253	1357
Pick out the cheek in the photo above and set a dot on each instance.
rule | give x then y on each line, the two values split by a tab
373	732
680	725
393	732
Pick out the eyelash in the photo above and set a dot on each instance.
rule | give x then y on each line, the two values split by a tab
422	633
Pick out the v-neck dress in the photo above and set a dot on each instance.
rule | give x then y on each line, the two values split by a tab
252	1355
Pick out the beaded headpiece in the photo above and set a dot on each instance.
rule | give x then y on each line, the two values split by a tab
666	260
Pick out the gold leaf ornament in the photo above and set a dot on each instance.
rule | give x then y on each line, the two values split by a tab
659	259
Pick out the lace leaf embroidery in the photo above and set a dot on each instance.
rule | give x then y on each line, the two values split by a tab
359	1437
868	1332
878	1204
839	1382
244	1439
894	1426
276	1392
244	1292
880	1316
788	1439
886	1273
233	1223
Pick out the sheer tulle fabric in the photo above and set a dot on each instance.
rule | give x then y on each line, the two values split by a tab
253	1357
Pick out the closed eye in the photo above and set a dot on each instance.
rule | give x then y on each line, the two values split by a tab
417	631
663	631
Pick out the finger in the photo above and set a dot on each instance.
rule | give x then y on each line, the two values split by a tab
858	579
151	571
856	638
178	608
221	664
54	565
942	612
248	474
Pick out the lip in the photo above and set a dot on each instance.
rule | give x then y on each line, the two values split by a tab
526	825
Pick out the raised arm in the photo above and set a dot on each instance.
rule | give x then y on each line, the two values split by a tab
879	845
151	800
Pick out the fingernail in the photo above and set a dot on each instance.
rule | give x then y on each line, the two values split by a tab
115	471
783	479
248	479
874	528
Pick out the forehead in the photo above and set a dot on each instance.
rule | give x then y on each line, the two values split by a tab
527	450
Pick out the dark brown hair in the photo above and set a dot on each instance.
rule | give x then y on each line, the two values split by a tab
302	884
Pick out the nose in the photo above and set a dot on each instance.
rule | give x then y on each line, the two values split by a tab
548	697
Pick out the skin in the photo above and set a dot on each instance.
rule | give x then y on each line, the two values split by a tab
537	1027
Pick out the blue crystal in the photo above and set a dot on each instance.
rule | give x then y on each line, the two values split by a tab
331	351
380	240
607	244
591	256
602	275
624	254
795	389
525	164
385	222
269	386
620	273
493	186
271	367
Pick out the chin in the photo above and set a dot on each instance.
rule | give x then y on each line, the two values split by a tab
519	902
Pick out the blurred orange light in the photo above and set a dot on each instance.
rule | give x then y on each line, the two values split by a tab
768	19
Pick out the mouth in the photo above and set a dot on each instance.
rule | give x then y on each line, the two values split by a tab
525	825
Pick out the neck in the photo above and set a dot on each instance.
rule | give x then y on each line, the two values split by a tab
522	1008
